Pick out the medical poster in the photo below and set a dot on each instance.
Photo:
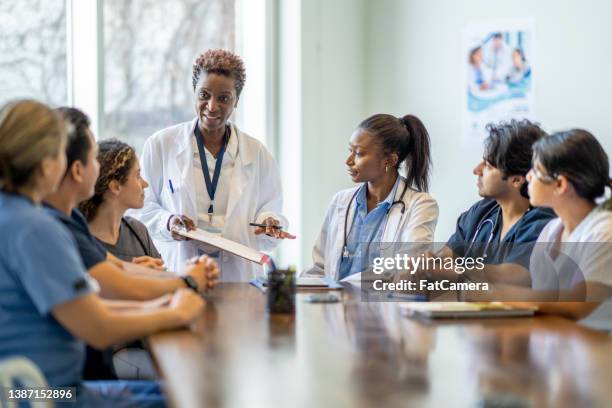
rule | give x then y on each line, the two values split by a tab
500	70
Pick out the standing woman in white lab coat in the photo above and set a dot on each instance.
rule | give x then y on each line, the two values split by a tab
384	206
208	174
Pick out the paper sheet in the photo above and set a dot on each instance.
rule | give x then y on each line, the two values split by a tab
226	245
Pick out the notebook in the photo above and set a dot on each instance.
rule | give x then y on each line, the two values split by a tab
457	310
302	282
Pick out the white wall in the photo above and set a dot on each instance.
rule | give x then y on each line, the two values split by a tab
414	59
342	60
317	116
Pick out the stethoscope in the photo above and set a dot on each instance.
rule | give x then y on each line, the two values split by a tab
345	251
494	223
486	220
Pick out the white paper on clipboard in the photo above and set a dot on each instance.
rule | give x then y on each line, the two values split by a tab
226	245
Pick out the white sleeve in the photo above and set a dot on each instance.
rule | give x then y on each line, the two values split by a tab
270	200
596	256
153	215
318	251
423	217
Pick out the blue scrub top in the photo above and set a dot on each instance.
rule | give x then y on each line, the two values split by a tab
365	229
475	233
91	250
40	268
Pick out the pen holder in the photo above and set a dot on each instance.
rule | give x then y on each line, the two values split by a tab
281	291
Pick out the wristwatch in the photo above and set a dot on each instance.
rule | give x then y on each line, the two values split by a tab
190	282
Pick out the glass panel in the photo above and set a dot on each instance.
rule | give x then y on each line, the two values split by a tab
33	50
149	48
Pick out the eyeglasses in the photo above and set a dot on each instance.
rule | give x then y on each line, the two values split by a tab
544	178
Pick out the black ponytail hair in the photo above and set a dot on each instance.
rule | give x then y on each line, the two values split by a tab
409	139
577	155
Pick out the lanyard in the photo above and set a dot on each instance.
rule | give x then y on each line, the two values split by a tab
211	185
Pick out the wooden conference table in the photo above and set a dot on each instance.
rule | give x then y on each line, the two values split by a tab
359	354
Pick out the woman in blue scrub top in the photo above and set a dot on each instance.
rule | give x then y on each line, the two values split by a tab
48	305
384	206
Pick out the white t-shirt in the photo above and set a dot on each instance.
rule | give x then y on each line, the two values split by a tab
217	223
586	254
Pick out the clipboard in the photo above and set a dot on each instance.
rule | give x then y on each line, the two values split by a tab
226	245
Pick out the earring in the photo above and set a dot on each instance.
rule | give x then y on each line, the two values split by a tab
386	168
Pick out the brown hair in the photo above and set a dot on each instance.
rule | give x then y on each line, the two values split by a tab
116	160
223	62
29	132
579	156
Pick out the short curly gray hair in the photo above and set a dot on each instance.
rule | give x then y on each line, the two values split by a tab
218	61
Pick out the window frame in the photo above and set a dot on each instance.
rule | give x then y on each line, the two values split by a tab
86	83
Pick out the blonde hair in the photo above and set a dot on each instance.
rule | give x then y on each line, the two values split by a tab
29	132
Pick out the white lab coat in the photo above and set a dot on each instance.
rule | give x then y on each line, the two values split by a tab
255	194
416	225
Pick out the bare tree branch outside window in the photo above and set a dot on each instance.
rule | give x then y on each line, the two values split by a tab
149	48
33	50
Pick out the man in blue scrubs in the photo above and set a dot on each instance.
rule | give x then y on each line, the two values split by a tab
502	227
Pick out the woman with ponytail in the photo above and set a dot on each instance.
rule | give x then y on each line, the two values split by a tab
384	206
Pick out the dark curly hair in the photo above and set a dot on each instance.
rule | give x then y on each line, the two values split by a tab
509	147
223	62
116	160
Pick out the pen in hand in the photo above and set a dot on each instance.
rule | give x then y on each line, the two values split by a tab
178	223
254	224
272	228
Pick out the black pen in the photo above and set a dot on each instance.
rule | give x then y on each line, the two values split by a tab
253	224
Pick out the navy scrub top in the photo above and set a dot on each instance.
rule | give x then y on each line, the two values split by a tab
476	235
92	252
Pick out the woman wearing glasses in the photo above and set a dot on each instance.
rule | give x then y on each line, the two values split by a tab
384	207
572	258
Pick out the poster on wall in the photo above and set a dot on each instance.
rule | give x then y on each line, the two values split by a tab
499	60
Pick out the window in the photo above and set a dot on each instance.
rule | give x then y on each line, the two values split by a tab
127	63
33	50
149	48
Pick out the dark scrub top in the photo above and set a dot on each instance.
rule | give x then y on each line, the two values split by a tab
90	249
98	364
134	241
479	228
